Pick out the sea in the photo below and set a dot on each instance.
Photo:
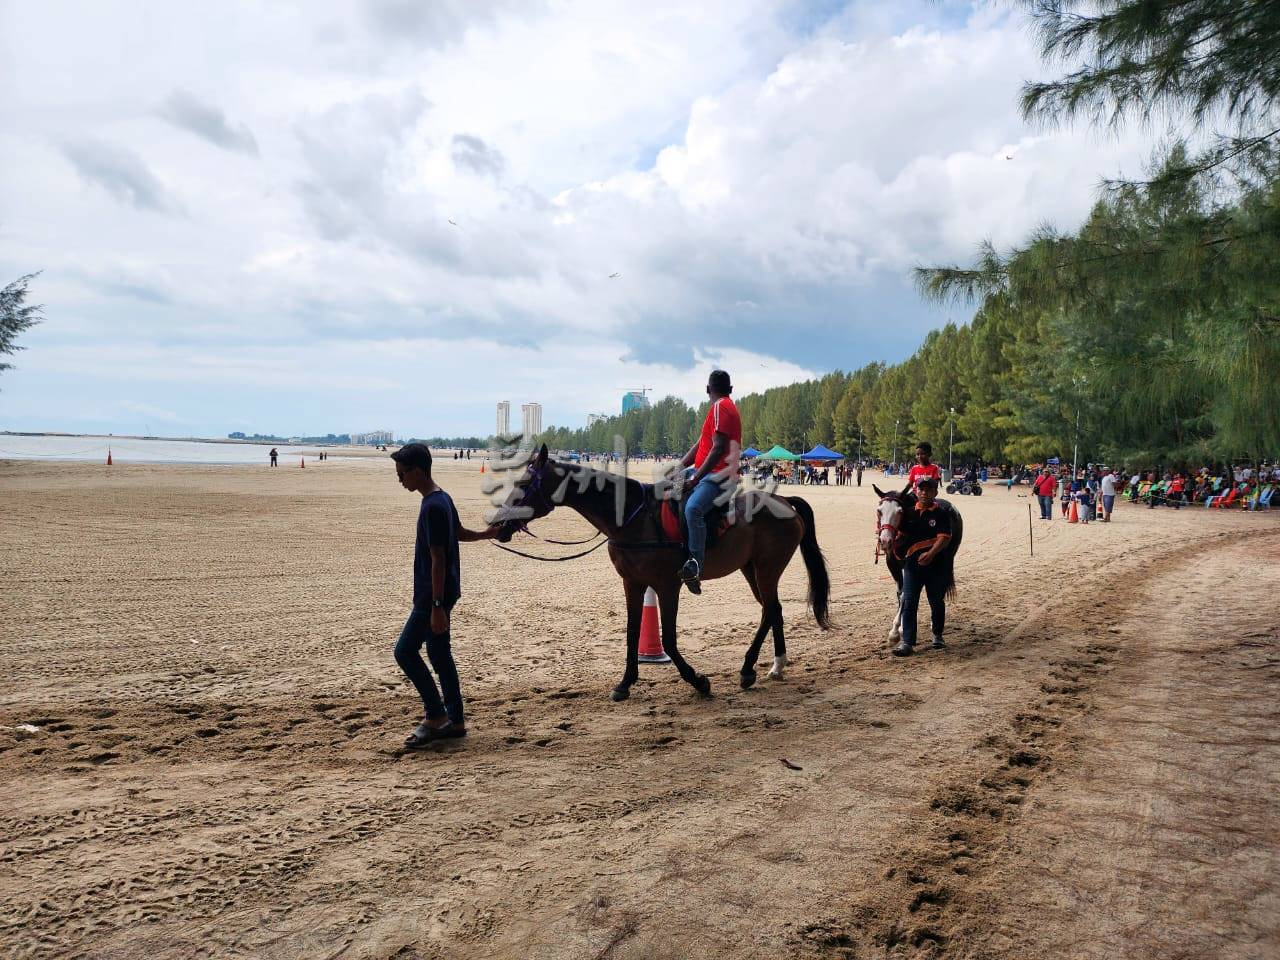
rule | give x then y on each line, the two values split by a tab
131	450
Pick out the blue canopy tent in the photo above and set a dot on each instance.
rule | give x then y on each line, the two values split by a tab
822	454
750	452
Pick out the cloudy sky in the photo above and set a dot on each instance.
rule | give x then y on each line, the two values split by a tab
330	216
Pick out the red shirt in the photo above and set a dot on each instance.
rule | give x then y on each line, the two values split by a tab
918	473
721	418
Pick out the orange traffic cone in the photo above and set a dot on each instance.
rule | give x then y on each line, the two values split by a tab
650	639
302	462
1074	517
482	468
108	456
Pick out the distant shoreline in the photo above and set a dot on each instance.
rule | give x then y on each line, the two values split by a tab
128	436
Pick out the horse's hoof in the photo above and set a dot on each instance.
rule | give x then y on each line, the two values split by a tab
747	678
619	694
702	684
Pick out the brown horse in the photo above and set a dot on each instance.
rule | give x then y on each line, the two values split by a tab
760	546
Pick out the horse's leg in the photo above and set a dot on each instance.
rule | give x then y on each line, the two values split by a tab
896	633
771	616
635	608
669	606
748	675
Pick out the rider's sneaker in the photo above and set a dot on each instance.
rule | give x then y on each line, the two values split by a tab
690	574
938	643
903	649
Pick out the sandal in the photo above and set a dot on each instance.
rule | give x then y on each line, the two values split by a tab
422	735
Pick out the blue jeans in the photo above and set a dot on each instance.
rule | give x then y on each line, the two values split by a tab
696	507
416	632
1046	507
929	579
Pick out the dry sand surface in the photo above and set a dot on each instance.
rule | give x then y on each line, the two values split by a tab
1090	769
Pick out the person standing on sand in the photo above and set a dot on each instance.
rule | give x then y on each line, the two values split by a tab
1108	495
1044	487
273	455
436	588
919	575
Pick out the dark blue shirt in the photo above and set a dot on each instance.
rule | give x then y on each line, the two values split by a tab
437	527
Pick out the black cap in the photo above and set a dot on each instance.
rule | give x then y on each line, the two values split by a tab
927	482
414	455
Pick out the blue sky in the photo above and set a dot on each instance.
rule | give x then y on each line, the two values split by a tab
243	213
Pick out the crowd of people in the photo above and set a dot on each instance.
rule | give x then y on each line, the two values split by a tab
1093	491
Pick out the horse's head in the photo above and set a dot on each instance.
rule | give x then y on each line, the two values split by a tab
889	516
529	499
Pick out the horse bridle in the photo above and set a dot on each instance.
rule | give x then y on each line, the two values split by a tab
522	526
897	531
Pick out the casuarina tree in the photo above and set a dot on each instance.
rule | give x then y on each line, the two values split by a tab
15	315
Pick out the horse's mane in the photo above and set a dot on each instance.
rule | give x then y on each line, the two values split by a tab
602	498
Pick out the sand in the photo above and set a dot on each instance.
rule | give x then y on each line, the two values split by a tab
1089	770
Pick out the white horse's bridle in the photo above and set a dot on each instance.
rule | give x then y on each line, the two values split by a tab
893	525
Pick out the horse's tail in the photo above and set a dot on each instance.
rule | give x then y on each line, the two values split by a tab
949	555
814	563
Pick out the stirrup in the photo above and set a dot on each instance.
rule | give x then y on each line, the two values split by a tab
690	575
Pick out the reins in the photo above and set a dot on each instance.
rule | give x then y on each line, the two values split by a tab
535	486
530	556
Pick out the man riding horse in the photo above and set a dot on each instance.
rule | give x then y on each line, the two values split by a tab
712	466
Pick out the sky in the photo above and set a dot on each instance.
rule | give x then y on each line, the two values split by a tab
312	217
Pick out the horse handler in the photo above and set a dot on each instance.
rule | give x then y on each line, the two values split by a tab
918	571
436	588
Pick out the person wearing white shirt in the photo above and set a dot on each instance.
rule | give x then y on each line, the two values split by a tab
1108	495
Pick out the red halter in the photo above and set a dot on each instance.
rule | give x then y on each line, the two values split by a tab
881	526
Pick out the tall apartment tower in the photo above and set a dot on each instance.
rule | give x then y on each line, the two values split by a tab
504	419
530	420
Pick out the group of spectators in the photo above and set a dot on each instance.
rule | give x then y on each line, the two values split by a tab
1221	488
1094	489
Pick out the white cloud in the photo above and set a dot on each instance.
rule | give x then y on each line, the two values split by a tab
758	189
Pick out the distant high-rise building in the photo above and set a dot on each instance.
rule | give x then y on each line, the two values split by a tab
594	418
530	420
504	419
635	400
373	438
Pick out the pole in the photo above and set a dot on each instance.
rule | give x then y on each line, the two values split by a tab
895	443
951	446
1031	539
1075	453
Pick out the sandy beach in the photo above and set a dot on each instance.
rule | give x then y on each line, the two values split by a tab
1090	769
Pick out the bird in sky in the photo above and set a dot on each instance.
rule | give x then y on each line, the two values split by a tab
1008	156
454	222
614	276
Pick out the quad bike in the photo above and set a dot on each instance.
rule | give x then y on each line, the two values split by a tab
965	487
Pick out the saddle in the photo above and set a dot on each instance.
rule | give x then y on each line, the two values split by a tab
674	526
